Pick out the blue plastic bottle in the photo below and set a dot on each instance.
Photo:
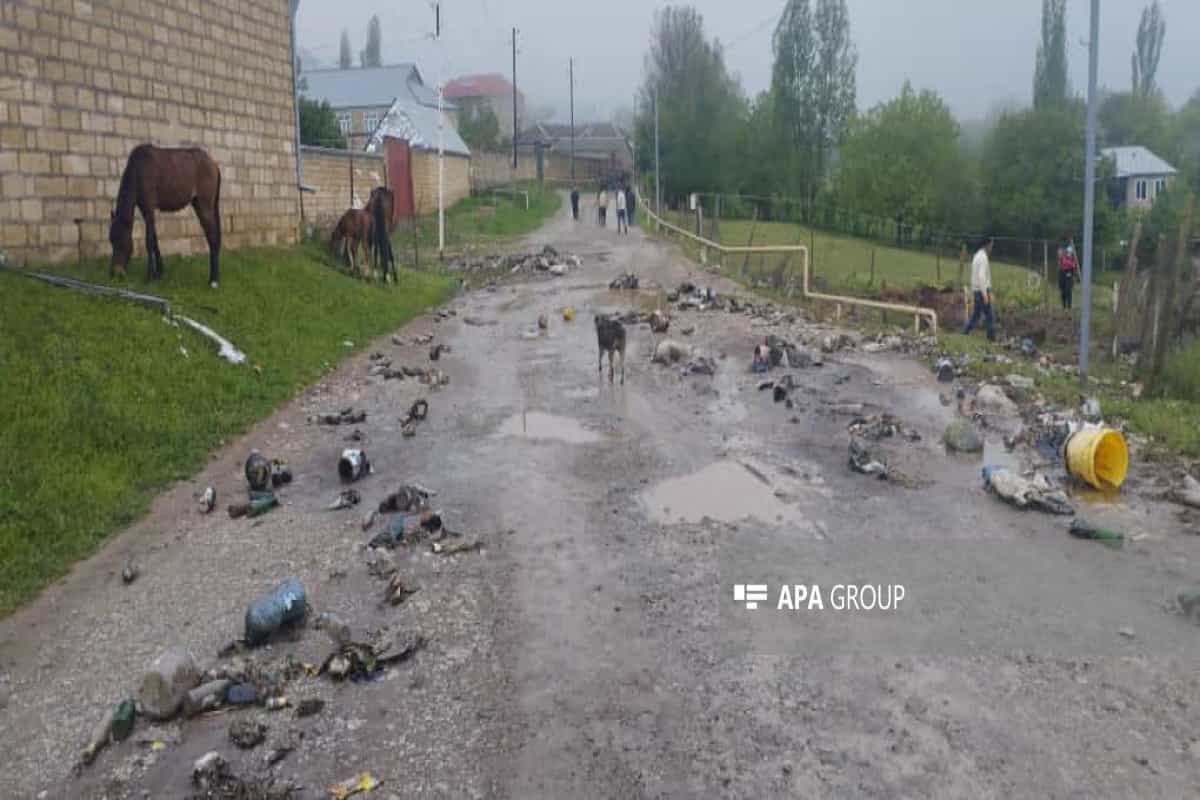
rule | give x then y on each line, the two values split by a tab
285	603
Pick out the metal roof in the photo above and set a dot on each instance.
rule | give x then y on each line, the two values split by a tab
489	85
368	86
1137	160
418	125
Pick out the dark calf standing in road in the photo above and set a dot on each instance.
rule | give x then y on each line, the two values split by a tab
610	336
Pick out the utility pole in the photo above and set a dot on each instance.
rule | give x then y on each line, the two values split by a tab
572	120
514	83
437	35
1089	194
657	172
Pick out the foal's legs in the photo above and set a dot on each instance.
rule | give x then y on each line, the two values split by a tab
154	264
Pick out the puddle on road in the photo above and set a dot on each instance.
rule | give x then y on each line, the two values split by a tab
725	491
542	426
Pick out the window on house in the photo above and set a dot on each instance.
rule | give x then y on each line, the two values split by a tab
370	121
344	123
1160	186
1140	190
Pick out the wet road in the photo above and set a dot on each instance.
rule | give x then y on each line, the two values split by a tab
594	647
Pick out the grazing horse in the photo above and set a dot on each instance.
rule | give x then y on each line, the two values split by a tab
381	208
352	231
166	179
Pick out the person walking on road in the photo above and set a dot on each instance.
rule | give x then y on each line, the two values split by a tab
631	203
602	206
575	203
981	285
621	222
1068	272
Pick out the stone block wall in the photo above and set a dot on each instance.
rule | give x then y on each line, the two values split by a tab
82	82
329	173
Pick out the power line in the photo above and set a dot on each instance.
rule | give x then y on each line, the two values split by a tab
756	29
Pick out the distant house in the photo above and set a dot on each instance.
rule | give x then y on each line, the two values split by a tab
418	125
601	142
361	97
1140	176
492	91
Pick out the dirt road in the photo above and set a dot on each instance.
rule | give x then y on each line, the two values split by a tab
594	647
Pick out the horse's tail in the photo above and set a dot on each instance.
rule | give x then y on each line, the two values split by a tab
217	206
379	224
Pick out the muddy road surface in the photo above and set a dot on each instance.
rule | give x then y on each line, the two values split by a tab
594	647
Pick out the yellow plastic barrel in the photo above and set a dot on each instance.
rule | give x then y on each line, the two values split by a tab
1099	456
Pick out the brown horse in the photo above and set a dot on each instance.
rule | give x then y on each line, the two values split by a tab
166	179
381	208
352	231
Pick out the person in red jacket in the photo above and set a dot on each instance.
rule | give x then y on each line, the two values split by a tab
1068	271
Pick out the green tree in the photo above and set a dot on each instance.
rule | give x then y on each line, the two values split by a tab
814	86
344	61
903	158
1032	176
1050	86
1185	132
372	56
701	108
1151	31
478	125
1136	118
319	124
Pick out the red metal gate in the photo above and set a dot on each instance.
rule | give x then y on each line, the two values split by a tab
399	175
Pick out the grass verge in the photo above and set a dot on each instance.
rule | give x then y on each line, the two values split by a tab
102	407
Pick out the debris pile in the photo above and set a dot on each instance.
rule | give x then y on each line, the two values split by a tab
1035	492
627	280
547	260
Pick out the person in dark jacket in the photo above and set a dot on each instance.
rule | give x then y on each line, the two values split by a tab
575	203
1068	272
630	202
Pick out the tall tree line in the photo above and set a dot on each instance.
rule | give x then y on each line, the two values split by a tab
372	55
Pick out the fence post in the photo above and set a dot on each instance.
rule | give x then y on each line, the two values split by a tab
1045	274
351	179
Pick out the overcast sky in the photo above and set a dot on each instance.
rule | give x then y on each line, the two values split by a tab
977	53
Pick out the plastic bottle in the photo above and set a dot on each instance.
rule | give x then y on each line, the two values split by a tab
285	603
1082	529
258	471
353	464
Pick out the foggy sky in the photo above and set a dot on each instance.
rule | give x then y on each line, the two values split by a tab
978	54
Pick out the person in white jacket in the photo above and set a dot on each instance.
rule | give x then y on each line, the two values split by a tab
981	285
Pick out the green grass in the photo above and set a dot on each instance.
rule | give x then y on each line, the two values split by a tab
101	408
482	219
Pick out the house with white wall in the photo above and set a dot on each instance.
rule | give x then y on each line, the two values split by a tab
1139	176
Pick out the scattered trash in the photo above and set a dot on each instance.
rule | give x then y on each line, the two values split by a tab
1188	494
209	770
130	572
447	548
369	519
285	604
886	343
993	401
1082	529
247	734
277	754
208	500
479	323
846	409
418	412
569	313
277	703
365	660
205	697
281	473
945	370
404	525
1128	633
866	461
1028	348
669	351
347	416
406	498
543	322
163	687
701	365
347	498
436	351
241	694
259	504
761	361
258	472
1022	493
1019	381
353	464
558	269
1098	455
356	436
1090	410
397	591
123	720
627	280
424	338
659	322
365	782
435	378
101	736
961	436
688	331
881	426
309	706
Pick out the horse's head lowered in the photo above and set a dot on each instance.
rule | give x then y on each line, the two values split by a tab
120	235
